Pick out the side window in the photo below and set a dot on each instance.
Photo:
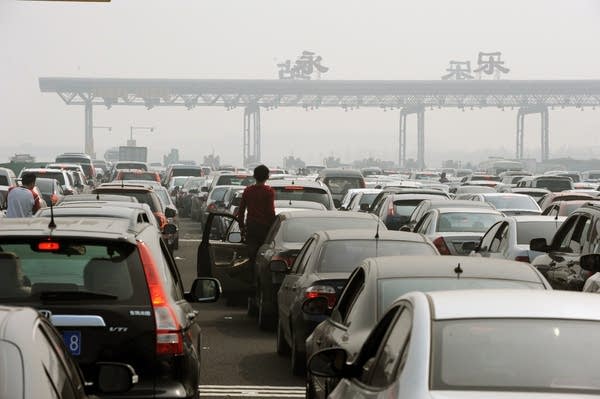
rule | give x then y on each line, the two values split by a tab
307	255
563	235
498	238
425	223
486	241
582	232
392	353
300	256
348	296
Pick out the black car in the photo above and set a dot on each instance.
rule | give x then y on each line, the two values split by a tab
36	364
578	235
322	269
289	232
115	294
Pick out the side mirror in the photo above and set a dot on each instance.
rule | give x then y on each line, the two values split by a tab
278	266
328	363
469	246
204	289
590	262
170	212
364	207
318	306
115	377
234	237
170	228
539	245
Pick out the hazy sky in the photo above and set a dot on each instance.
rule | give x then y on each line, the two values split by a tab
393	39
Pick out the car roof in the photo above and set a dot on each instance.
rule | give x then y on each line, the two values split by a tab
537	218
467	209
329	214
534	304
108	228
98	197
458	204
296	182
284	204
412	196
369	234
444	266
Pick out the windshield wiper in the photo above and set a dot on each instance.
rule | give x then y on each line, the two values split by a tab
72	295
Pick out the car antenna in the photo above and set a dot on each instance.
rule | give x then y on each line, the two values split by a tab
458	270
377	239
51	225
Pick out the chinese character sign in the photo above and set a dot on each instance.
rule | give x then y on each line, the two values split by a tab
304	67
490	63
458	70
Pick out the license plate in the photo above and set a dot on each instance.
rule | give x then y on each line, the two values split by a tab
72	341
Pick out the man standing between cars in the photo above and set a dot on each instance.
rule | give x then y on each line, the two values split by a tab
259	200
22	201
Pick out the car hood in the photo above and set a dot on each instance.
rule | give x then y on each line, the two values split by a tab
504	395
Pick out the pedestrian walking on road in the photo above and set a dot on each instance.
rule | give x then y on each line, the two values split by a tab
259	200
22	201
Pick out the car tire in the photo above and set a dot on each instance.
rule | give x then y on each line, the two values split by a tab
298	358
283	349
252	310
265	321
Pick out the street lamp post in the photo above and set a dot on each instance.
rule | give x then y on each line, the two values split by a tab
131	142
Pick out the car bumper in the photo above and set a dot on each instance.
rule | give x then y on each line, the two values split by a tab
147	389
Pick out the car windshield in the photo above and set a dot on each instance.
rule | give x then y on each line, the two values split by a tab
367	199
466	222
345	255
341	185
554	185
33	267
137	176
301	193
299	229
141	196
391	288
179	180
527	231
527	355
512	202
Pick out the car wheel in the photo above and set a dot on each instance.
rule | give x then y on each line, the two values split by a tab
265	321
283	348
298	358
252	310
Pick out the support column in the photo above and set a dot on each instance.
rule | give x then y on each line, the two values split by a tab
420	112
89	129
252	140
520	133
545	135
544	123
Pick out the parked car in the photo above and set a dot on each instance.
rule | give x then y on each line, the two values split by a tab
7	180
302	190
321	269
115	294
102	207
565	208
475	343
536	193
339	181
99	210
549	182
426	205
578	235
51	190
509	203
386	192
450	228
224	255
97	197
509	238
395	209
377	282
226	178
35	362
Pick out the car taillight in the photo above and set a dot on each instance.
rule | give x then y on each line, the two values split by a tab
325	291
211	206
289	260
522	259
441	246
169	337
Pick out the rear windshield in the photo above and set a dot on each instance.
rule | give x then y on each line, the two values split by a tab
392	288
52	175
300	193
466	222
73	160
187	172
405	207
45	186
554	185
512	202
367	199
218	193
299	229
341	185
527	231
142	197
345	255
125	165
136	176
76	269
3	180
232	180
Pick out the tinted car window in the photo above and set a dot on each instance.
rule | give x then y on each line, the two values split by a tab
341	185
300	193
512	202
405	207
108	268
466	221
345	255
45	186
298	230
125	165
526	231
3	180
554	185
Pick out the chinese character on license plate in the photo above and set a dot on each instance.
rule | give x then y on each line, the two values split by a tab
72	341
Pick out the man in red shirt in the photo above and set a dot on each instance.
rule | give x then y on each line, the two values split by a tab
259	200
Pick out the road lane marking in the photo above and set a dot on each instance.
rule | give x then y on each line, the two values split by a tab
252	391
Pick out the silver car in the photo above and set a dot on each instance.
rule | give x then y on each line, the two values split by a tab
474	344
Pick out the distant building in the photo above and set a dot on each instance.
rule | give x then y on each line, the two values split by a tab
22	158
112	154
172	157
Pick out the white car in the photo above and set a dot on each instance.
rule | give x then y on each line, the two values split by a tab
509	238
475	344
510	203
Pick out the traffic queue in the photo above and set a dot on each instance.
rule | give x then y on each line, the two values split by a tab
406	285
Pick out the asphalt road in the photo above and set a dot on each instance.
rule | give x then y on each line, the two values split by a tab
238	359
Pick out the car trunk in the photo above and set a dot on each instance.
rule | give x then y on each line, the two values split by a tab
454	241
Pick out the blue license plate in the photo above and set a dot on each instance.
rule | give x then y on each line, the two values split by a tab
72	341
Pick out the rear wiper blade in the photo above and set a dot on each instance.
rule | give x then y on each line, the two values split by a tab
71	295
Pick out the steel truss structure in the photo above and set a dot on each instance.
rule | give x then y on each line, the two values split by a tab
253	95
